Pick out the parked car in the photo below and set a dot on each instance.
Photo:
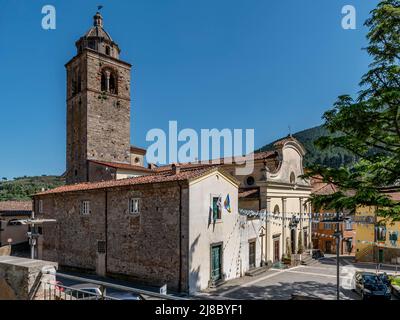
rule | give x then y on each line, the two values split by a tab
384	278
85	291
370	285
89	291
317	254
124	295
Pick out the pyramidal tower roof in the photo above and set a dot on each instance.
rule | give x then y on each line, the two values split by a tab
98	39
97	30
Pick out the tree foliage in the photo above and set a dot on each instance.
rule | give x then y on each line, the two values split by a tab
368	125
332	157
23	187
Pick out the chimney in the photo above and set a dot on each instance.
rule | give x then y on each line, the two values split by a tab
175	168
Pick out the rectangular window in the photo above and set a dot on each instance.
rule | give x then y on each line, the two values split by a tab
348	225
85	207
40	206
101	246
381	233
134	206
327	226
216	208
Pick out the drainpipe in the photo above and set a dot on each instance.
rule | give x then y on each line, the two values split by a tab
106	231
268	233
180	238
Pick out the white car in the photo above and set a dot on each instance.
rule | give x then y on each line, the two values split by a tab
89	291
86	291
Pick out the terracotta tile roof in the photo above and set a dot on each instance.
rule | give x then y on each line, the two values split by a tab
249	193
189	165
183	175
257	156
325	189
125	166
282	142
138	150
321	188
15	205
393	195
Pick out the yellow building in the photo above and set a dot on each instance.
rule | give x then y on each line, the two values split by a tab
377	239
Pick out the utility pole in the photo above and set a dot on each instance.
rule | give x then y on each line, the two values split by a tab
337	235
33	235
263	254
337	256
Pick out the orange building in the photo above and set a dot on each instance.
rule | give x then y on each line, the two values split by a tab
323	231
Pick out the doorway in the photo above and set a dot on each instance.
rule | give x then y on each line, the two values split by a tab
328	246
216	262
252	254
380	256
276	249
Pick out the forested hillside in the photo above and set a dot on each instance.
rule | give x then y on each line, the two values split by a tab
332	158
21	188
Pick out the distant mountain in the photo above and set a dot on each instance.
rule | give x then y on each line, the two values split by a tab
21	188
334	157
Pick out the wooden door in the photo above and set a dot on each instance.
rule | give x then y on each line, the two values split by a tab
216	270
276	250
252	254
328	246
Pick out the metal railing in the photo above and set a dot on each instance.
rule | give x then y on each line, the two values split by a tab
58	291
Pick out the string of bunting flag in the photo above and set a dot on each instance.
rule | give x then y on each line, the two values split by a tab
310	217
379	244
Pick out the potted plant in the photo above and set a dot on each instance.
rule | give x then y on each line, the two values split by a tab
287	257
300	247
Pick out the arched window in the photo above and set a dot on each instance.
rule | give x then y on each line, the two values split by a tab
109	81
103	82
292	178
108	51
276	209
113	84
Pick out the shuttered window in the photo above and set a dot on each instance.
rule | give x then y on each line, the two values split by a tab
134	206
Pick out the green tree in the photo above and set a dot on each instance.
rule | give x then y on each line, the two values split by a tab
368	125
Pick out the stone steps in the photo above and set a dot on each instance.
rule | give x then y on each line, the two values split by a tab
307	260
256	271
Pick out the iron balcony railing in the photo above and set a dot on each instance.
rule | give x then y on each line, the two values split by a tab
58	291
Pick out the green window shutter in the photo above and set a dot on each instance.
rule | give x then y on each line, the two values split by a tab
215	208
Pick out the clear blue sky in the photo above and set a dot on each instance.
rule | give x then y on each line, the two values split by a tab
207	64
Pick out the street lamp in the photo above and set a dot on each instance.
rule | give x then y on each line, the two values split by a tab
294	222
33	235
337	235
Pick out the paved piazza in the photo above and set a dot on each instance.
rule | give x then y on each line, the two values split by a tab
317	281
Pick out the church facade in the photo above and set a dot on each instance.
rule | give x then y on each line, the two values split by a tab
184	225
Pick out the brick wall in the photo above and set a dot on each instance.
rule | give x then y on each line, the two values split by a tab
145	248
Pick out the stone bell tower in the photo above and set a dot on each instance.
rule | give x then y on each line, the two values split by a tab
98	104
